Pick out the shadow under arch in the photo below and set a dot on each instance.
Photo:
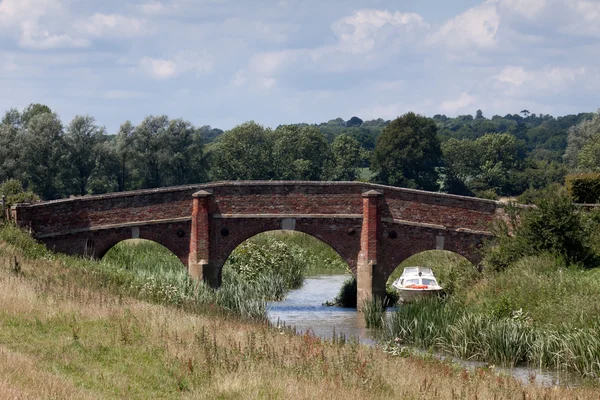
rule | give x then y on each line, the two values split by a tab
103	246
441	263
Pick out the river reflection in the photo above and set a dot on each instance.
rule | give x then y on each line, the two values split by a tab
303	310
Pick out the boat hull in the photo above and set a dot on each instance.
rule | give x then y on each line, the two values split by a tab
406	295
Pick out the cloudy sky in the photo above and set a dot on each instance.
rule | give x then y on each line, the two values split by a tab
223	62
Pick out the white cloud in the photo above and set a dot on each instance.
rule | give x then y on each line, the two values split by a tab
36	37
515	76
515	79
478	26
359	32
23	18
462	101
527	8
159	68
154	8
101	24
270	63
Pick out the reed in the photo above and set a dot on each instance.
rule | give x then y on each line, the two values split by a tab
374	312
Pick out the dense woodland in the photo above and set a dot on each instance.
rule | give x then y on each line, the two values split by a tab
40	157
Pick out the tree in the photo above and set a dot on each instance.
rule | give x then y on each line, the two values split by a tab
347	156
244	153
149	147
82	140
32	110
500	155
408	153
185	157
354	121
578	135
9	152
300	153
123	152
589	156
42	149
479	115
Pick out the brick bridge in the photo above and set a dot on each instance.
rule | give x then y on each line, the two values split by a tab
372	227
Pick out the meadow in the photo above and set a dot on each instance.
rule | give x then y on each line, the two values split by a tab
75	328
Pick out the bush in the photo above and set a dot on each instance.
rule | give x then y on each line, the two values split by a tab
554	226
584	188
14	192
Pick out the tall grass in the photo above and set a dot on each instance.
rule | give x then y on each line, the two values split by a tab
526	315
374	312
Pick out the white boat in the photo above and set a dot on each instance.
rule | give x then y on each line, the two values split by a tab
416	283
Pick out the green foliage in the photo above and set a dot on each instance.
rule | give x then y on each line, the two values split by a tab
243	153
554	226
41	153
161	152
14	192
589	157
536	312
579	136
283	257
347	296
82	141
347	156
374	312
485	165
408	153
300	153
584	188
252	260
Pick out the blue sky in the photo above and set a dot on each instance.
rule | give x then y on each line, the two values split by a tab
223	62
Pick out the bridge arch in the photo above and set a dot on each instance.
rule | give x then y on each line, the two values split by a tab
141	251
99	245
339	241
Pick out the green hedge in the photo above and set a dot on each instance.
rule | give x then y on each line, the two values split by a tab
584	188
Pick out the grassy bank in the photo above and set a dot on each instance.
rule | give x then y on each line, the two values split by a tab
537	302
69	329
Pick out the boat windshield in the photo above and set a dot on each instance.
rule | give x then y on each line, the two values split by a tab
411	282
410	270
429	282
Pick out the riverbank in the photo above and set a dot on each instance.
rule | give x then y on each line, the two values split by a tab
536	304
68	332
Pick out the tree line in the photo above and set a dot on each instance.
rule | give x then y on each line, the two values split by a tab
41	157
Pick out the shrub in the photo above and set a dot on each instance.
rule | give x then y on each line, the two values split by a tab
554	226
584	188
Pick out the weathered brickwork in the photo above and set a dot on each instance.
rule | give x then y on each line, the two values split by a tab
372	227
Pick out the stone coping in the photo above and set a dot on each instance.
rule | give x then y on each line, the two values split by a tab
205	186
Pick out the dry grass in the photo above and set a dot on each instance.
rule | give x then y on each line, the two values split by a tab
63	339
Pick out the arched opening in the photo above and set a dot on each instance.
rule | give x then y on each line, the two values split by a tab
298	273
142	255
280	261
451	270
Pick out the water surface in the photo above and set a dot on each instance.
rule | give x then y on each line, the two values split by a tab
303	309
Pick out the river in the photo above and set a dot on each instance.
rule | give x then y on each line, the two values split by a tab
303	309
